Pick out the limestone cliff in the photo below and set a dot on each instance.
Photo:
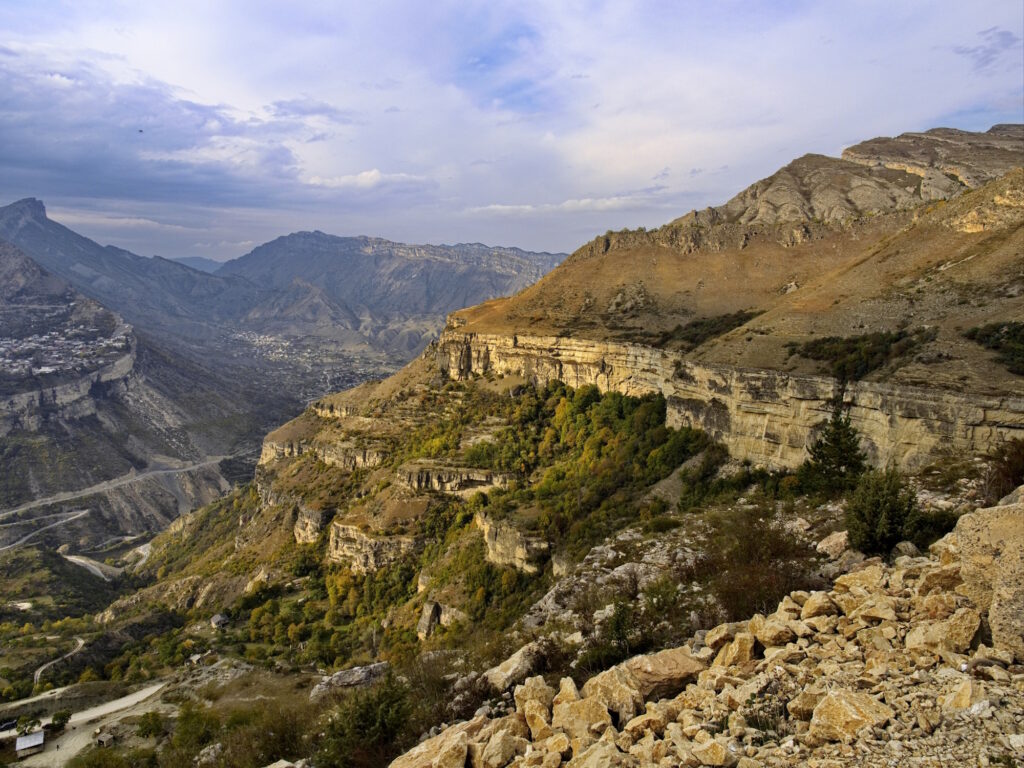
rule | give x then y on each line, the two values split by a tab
768	417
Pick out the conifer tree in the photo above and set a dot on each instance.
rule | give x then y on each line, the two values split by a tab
836	458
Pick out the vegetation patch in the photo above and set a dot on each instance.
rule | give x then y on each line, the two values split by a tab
1005	338
694	333
854	357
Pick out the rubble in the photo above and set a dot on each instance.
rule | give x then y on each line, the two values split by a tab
898	664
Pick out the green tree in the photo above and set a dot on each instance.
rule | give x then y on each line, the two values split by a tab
150	724
881	512
60	718
27	724
836	458
367	727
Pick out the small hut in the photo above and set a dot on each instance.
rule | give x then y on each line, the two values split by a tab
29	744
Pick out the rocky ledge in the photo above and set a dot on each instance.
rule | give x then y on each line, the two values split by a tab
768	417
918	663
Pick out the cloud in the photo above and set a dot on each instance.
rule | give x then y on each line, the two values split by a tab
528	123
996	44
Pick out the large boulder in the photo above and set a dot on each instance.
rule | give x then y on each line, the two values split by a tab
516	667
841	714
991	548
445	750
665	673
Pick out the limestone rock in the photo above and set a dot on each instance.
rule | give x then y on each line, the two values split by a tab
601	755
833	545
618	690
713	752
516	667
356	677
534	689
444	750
739	650
770	631
991	543
966	693
581	719
818	604
842	713
664	673
501	748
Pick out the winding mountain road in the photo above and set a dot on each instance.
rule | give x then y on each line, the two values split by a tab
39	672
108	485
70	516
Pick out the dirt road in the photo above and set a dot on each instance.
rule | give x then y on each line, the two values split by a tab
79	732
47	665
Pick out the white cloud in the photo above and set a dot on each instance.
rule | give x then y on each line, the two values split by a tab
519	123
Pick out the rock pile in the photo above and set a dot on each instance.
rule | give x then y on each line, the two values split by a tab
920	663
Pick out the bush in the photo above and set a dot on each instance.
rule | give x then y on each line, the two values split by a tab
881	513
150	724
756	561
854	357
367	727
1005	470
1005	338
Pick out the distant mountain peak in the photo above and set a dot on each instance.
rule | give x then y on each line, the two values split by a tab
29	206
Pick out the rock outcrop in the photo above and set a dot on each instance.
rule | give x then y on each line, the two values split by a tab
507	545
768	417
837	678
363	552
424	475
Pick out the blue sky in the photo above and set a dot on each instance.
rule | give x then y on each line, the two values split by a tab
204	129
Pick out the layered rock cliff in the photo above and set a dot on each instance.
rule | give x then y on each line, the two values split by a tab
766	416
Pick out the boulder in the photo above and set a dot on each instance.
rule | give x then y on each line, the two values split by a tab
601	755
739	650
356	677
818	604
534	689
770	631
501	748
582	719
618	690
665	673
516	667
991	544
833	545
444	750
713	752
841	714
966	693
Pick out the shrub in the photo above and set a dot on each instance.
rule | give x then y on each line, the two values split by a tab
854	357
756	561
1005	338
881	512
1005	470
150	724
365	729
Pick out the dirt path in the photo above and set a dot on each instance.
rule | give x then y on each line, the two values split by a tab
79	732
71	516
108	485
47	665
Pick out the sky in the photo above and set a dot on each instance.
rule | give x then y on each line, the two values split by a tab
206	128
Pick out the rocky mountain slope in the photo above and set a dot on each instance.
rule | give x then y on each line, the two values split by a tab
914	663
829	265
93	444
389	293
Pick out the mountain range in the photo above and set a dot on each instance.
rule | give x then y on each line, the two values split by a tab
212	360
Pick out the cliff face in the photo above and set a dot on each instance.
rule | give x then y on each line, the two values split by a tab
768	417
